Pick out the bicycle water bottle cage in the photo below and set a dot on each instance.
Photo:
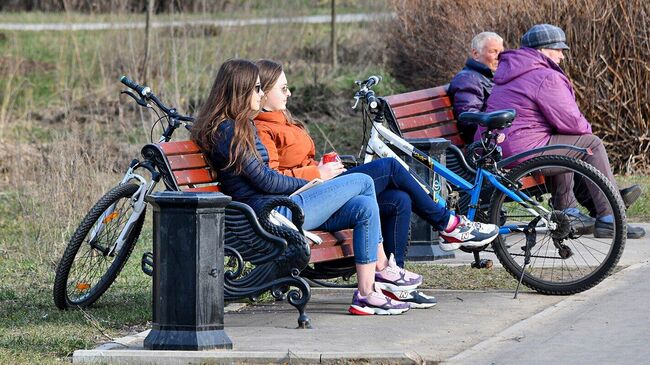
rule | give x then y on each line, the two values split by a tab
495	120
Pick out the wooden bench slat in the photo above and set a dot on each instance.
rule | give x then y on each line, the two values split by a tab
187	161
415	96
191	177
422	107
532	181
429	121
428	133
323	252
204	189
179	147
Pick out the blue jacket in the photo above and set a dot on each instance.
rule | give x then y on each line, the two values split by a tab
469	91
257	183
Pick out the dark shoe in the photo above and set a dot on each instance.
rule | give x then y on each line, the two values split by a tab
630	195
581	223
606	230
414	298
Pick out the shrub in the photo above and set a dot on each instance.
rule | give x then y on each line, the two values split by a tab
609	61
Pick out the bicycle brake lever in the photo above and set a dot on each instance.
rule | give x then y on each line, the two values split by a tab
138	100
356	102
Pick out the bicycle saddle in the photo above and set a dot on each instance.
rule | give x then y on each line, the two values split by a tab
495	120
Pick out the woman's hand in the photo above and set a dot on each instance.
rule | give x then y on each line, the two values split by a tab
330	170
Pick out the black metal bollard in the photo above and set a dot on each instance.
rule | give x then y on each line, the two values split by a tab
188	271
424	238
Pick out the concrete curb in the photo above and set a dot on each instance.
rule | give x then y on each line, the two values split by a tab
513	333
146	357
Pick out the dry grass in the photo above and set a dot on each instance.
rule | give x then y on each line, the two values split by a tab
66	137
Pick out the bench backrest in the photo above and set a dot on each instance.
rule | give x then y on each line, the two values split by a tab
189	166
426	113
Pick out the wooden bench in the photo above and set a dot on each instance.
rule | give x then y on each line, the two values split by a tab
278	261
428	113
192	173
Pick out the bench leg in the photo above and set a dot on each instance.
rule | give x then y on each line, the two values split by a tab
299	298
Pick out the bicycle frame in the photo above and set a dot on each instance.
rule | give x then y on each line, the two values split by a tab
376	146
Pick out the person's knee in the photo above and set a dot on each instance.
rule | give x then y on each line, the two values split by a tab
401	200
368	183
365	207
592	141
394	164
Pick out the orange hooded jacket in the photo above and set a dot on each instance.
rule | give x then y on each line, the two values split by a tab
291	149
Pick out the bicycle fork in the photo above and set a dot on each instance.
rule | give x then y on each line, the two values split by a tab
138	203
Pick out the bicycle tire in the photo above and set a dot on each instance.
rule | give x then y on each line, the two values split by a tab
590	263
89	291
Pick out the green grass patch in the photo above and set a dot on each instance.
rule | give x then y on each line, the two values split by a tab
640	211
32	330
463	277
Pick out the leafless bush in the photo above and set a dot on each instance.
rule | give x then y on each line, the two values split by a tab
609	62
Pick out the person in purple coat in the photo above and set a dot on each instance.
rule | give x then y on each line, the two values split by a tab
530	80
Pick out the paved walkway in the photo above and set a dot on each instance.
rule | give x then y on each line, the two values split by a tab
314	19
607	324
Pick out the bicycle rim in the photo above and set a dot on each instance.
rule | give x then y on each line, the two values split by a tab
88	266
569	257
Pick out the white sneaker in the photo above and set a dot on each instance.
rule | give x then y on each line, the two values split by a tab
468	234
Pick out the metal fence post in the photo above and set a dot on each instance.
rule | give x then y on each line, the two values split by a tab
188	271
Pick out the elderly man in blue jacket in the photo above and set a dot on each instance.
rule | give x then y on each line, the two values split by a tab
471	87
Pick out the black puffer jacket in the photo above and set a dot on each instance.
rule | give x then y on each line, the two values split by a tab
469	91
257	183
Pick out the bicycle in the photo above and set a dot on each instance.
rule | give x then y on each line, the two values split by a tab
567	258
105	238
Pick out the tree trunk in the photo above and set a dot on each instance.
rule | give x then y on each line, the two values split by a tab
147	42
333	36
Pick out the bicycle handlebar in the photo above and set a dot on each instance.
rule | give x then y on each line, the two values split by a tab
145	93
367	94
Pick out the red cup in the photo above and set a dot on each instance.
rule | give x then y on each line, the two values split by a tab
331	157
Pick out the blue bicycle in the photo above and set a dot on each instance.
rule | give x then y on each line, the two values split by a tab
543	205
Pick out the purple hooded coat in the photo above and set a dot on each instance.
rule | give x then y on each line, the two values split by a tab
537	88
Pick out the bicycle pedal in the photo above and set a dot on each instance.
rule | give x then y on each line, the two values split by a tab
482	264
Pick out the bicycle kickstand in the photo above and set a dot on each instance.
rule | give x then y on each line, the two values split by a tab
531	238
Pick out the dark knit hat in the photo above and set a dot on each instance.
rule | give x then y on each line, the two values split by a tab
544	36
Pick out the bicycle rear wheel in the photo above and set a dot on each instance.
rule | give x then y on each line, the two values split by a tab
566	257
88	268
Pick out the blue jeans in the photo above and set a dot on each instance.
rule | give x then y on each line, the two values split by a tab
340	203
389	177
395	215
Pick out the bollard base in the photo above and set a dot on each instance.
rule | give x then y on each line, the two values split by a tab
159	339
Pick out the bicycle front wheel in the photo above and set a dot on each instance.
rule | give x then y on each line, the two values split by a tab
90	264
566	255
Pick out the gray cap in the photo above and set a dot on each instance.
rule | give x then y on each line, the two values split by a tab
544	36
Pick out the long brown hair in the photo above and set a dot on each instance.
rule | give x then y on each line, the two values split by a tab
230	98
269	74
